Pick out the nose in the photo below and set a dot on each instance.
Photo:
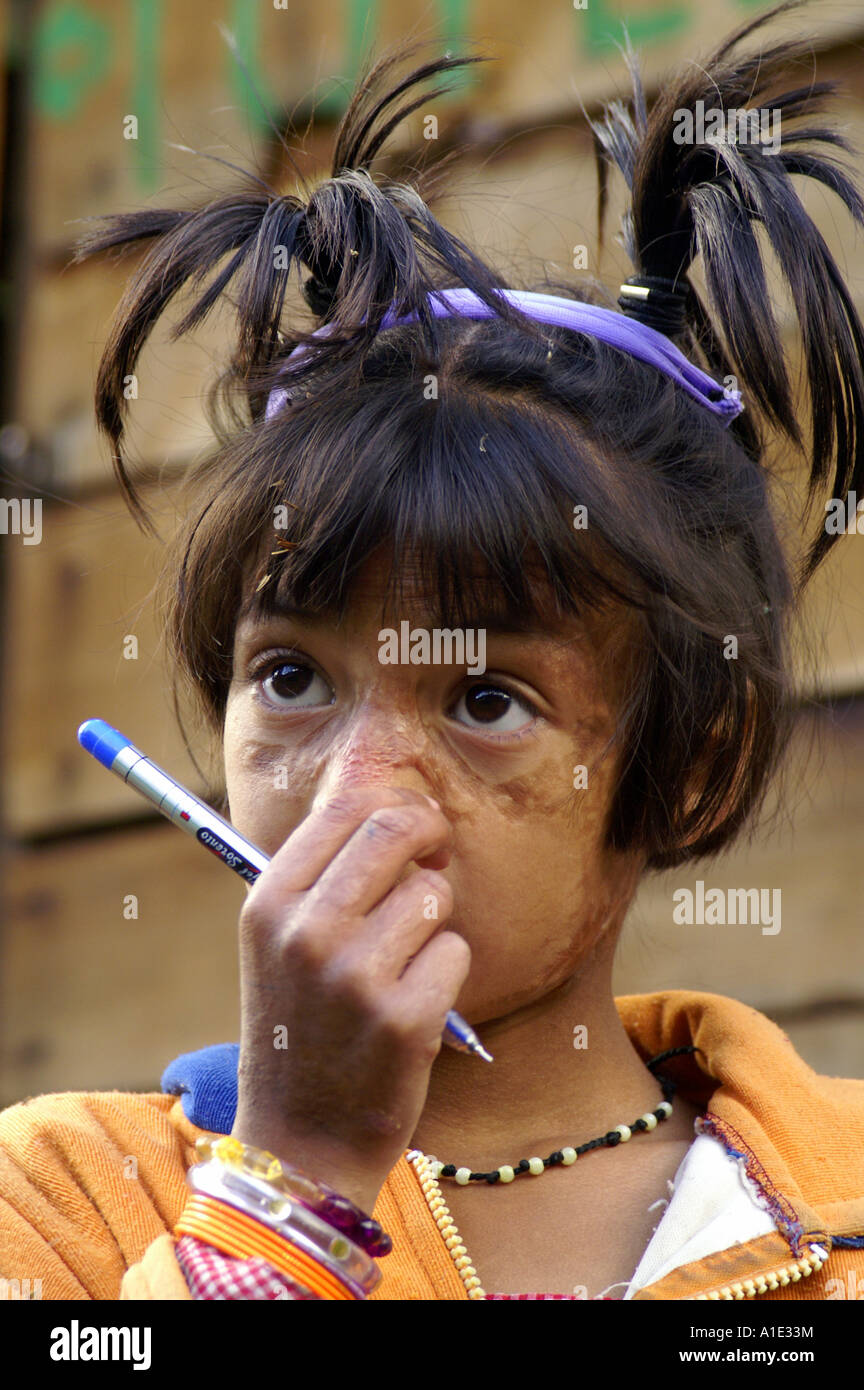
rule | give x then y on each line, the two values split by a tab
375	751
379	749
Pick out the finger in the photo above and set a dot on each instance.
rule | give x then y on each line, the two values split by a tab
402	923
431	983
310	847
380	850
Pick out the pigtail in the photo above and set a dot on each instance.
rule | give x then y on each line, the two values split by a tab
707	199
370	245
186	247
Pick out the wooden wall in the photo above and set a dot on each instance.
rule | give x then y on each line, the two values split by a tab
94	997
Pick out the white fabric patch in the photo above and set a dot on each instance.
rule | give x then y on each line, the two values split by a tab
713	1205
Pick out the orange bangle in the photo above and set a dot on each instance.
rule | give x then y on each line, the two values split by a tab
232	1231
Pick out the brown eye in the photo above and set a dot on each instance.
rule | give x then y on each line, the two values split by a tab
493	707
294	685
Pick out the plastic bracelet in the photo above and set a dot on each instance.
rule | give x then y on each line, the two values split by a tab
288	1218
318	1197
234	1233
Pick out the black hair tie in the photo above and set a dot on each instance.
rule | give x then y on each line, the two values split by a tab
657	302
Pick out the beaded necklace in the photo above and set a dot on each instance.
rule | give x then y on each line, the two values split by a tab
429	1169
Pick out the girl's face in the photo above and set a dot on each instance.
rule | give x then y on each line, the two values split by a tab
311	709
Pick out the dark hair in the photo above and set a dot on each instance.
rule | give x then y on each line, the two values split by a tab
478	483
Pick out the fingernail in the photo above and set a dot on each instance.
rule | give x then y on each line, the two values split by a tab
433	802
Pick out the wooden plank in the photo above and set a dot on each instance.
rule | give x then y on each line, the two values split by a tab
552	52
95	999
168	67
69	319
73	600
829	650
811	855
163	66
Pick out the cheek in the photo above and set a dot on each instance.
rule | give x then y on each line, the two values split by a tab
561	795
533	858
267	792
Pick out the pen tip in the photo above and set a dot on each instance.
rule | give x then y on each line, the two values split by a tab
481	1052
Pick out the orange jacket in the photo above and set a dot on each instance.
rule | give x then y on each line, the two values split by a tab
91	1183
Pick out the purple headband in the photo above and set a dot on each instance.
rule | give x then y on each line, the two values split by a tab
616	329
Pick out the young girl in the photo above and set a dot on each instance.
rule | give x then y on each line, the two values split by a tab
578	494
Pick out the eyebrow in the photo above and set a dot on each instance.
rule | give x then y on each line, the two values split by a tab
506	624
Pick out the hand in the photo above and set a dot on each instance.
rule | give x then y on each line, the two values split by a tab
346	981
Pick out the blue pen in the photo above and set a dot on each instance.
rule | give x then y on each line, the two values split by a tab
115	752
